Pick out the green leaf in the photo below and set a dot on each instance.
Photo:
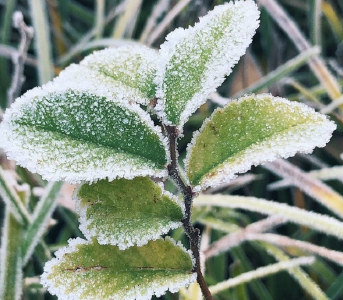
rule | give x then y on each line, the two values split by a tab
126	212
250	131
87	270
81	135
195	61
133	66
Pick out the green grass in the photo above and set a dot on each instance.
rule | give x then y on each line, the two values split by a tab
282	60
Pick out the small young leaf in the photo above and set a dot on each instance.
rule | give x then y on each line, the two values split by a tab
87	270
126	212
76	135
79	77
250	131
133	66
195	61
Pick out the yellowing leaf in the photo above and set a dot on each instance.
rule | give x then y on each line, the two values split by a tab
250	131
87	271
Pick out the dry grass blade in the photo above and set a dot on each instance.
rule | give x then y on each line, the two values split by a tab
166	21
261	272
236	238
316	63
283	241
309	185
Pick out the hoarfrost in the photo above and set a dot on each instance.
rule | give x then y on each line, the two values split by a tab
125	227
134	66
61	133
195	61
303	137
58	283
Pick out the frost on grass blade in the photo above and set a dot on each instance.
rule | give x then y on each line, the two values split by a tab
250	131
76	135
86	270
126	212
132	66
195	61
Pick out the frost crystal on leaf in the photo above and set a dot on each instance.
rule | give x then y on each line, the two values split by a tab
250	131
132	66
195	61
78	135
126	212
86	270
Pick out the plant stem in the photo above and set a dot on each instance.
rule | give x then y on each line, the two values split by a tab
188	194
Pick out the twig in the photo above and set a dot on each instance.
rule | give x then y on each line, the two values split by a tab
19	58
8	51
236	238
188	194
283	241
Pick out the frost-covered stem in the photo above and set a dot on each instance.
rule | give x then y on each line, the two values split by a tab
18	58
188	194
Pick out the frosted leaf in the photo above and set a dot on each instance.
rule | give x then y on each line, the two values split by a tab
76	135
195	61
79	78
86	270
250	131
132	66
126	212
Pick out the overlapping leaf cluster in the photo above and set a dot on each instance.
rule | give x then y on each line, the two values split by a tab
88	125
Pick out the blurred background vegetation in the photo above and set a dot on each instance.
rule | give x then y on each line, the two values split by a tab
297	53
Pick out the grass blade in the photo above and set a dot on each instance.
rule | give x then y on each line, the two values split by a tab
280	72
6	27
260	273
297	273
313	220
42	40
126	24
315	7
316	63
309	185
41	217
12	200
11	264
100	18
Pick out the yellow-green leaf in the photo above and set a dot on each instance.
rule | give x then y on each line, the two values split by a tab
250	131
87	271
126	212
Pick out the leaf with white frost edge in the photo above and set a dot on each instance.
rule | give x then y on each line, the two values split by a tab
195	61
126	212
81	135
133	66
86	270
250	131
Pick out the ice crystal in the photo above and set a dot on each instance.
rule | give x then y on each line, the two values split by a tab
250	131
76	135
126	212
87	270
133	66
195	61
